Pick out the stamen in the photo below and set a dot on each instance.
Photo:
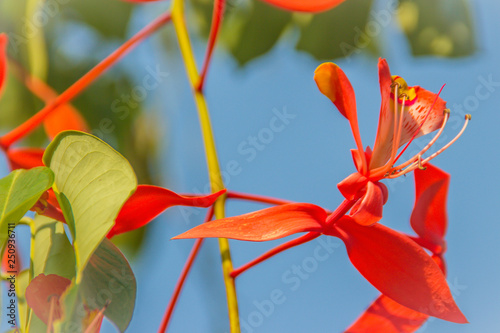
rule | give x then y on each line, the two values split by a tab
400	130
395	130
421	163
429	145
468	117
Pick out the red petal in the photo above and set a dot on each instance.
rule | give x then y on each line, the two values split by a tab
25	158
149	201
415	114
39	292
399	268
352	185
369	209
334	84
263	225
3	60
428	218
387	316
305	6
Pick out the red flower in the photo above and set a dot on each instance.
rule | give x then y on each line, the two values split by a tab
406	113
392	262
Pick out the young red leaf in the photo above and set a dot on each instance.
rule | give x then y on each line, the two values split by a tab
263	225
387	316
3	60
40	292
305	6
149	201
25	158
428	218
399	268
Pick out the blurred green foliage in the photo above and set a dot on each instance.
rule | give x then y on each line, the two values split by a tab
251	28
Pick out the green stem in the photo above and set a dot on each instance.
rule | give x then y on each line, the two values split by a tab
214	172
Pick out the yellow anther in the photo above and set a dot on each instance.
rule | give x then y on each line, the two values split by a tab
446	111
468	117
420	166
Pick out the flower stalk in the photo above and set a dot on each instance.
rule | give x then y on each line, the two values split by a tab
214	172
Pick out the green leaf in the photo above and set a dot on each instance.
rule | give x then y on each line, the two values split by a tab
108	277
341	32
52	252
19	191
107	280
442	28
95	180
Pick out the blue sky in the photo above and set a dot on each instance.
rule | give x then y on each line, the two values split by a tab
303	162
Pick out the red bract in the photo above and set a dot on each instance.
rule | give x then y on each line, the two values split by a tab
305	6
405	114
148	201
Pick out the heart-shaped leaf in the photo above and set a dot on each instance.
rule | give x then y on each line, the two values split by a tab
92	181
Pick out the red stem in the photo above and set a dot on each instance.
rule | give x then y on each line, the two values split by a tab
257	198
24	129
340	211
182	278
301	240
217	16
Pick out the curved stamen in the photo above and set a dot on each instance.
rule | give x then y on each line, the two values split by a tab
429	145
415	165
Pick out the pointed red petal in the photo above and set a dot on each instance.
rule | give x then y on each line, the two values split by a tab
387	316
334	84
25	158
305	6
383	142
263	225
149	201
399	268
369	209
428	218
39	292
3	60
